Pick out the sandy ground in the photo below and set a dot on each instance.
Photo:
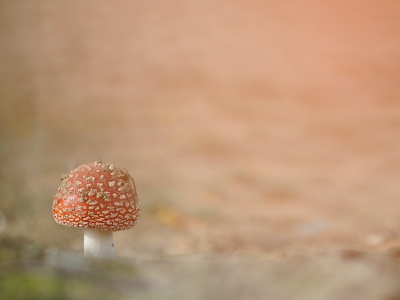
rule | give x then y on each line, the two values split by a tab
253	129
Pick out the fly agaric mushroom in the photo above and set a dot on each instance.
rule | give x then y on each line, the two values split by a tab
101	198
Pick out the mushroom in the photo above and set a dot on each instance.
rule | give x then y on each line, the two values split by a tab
101	198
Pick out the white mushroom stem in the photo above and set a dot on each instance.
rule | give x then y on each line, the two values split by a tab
98	244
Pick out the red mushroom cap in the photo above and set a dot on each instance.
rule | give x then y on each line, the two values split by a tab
99	196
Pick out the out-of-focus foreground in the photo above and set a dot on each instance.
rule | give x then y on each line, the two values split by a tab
257	132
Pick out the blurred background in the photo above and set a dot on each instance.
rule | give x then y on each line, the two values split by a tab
255	128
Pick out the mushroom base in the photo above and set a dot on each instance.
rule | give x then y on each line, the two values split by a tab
98	244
